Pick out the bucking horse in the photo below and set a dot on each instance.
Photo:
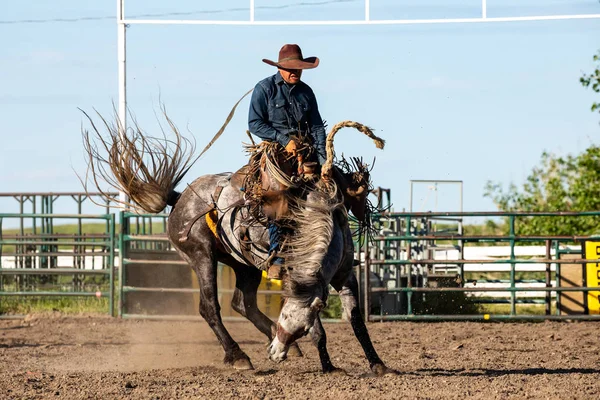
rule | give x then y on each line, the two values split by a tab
215	219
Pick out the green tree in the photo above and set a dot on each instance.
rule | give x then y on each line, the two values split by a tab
570	183
593	80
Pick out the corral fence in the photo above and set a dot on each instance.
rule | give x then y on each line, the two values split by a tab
158	284
44	254
425	273
420	266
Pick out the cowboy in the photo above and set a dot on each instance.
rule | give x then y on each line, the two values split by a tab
283	107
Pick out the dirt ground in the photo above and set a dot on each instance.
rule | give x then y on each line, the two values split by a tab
91	357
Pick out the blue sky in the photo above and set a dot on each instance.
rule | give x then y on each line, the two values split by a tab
472	102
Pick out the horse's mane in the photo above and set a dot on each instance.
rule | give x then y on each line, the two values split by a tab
311	208
305	251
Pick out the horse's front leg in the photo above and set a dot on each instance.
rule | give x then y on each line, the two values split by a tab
348	293
247	280
319	339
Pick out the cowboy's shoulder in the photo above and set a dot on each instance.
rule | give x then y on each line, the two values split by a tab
306	88
267	84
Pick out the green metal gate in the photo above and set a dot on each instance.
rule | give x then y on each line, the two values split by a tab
406	267
155	283
39	258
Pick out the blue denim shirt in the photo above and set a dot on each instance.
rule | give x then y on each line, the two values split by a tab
278	109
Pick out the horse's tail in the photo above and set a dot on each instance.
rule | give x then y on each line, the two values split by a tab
146	169
379	142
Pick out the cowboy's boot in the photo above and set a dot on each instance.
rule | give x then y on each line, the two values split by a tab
276	266
275	271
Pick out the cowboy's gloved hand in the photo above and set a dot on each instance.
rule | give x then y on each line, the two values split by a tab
292	147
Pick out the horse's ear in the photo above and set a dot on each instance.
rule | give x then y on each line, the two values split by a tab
317	304
357	192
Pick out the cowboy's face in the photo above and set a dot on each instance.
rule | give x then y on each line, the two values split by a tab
291	76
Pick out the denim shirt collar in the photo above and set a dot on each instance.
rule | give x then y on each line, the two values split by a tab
278	78
280	82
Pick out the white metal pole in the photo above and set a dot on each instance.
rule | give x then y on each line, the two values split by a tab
410	193
122	63
363	22
122	60
251	10
461	196
484	9
367	10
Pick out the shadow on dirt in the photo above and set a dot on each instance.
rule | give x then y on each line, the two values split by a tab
503	372
266	372
12	328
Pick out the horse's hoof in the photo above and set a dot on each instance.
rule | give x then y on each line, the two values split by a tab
294	351
381	370
242	364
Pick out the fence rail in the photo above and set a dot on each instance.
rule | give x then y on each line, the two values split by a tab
405	265
37	259
407	249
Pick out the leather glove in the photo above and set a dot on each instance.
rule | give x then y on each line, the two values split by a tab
292	147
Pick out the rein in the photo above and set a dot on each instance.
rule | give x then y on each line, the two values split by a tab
220	132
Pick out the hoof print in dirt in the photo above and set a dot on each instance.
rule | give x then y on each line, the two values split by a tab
130	385
337	372
381	370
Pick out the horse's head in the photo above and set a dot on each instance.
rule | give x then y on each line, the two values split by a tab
356	195
295	321
355	186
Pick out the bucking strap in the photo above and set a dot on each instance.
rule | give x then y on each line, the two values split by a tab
212	212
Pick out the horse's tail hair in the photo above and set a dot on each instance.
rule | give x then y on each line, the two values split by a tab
147	169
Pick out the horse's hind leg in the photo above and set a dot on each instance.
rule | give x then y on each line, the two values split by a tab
205	266
247	280
348	292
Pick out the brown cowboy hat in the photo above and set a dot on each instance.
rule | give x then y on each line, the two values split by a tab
290	57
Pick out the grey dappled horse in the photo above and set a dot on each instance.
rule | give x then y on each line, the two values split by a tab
208	218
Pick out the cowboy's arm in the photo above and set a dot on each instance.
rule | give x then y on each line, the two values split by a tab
317	129
258	118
